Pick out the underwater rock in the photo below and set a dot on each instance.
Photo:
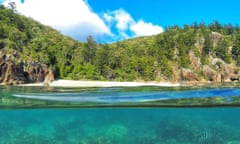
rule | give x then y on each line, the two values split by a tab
117	131
233	142
98	140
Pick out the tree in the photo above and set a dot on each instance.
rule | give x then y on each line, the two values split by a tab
236	49
89	50
228	29
102	60
207	48
222	50
215	26
12	6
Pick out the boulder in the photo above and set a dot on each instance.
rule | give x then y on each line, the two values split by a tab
227	71
233	142
49	77
211	74
188	75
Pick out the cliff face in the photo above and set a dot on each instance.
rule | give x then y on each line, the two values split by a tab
225	73
216	69
191	55
14	71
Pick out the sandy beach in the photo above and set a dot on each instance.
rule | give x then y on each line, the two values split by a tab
81	83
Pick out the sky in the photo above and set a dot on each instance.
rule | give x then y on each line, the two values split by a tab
114	20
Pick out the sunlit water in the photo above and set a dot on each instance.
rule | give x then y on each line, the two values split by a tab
143	115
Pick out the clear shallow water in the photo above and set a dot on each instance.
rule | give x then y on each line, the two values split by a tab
119	126
145	115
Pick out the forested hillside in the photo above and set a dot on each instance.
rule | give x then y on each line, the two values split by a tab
196	52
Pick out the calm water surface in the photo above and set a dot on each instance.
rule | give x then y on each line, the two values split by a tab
143	115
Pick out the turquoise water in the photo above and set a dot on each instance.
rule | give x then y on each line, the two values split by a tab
143	115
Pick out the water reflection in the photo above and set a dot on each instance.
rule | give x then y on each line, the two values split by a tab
117	96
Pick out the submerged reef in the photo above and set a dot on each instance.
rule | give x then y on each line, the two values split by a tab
118	126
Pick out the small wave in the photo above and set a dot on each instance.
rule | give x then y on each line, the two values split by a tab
80	97
114	96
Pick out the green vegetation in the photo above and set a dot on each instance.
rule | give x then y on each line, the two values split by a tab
145	58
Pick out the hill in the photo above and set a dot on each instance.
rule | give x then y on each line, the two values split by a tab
195	52
32	52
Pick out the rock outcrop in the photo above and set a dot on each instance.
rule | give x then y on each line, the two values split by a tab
14	71
210	74
216	38
11	73
222	73
49	77
227	71
188	75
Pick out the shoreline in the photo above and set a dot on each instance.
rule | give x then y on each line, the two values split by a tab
86	83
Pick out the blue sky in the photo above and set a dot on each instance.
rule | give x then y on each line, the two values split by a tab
179	12
114	20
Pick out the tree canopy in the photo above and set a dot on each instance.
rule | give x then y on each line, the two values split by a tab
144	58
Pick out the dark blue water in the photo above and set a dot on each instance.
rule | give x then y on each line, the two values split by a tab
120	116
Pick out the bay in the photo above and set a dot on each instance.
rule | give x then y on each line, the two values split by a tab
137	115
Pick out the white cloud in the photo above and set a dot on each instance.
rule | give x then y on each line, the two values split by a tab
123	19
142	28
127	26
75	18
107	17
72	17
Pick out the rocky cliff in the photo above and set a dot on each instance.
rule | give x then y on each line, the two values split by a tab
225	73
14	71
216	70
